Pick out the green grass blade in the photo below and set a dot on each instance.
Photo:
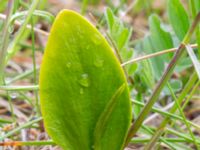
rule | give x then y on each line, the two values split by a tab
18	129
5	121
183	116
160	85
194	60
48	16
19	88
11	49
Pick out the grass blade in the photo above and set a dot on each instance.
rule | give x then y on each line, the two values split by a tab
194	59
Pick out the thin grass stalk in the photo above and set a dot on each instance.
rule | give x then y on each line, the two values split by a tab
26	125
5	35
153	55
138	140
167	74
157	135
194	12
194	60
175	133
34	68
183	116
191	94
22	76
20	88
3	51
5	121
11	50
183	94
185	136
151	132
167	114
27	143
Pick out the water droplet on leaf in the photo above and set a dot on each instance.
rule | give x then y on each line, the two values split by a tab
87	47
68	65
84	80
14	95
97	39
98	62
81	91
11	29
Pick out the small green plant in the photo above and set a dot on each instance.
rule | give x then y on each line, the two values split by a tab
84	95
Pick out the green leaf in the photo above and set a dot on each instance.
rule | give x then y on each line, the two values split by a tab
110	18
194	7
123	38
146	74
197	5
158	40
120	35
138	5
79	77
178	18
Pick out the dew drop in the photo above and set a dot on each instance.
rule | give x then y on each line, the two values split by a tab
84	80
81	91
14	95
98	62
87	47
68	65
11	29
96	39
